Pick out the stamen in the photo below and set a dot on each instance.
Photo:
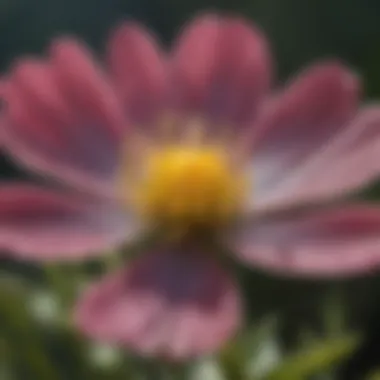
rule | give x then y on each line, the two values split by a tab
186	186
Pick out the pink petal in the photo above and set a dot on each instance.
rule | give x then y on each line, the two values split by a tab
339	241
42	224
138	69
61	118
84	84
349	163
173	304
298	123
221	68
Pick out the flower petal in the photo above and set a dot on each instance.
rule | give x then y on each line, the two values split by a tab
221	69
41	224
297	124
176	304
85	85
349	163
339	241
61	118
138	69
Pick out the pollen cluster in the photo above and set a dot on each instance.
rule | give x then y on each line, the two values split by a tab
189	186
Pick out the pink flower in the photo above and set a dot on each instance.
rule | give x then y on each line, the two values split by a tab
192	142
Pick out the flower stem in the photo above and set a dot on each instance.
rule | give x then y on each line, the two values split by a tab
333	312
62	283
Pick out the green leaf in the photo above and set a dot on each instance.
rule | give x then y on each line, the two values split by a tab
254	353
267	357
262	350
317	358
375	375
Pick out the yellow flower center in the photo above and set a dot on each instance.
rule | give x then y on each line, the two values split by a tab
188	187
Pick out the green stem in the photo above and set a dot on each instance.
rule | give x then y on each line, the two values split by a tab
333	311
160	370
62	282
174	371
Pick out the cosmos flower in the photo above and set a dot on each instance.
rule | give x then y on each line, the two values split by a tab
197	145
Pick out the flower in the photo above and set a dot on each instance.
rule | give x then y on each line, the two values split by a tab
194	144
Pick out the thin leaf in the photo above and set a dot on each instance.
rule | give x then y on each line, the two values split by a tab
318	358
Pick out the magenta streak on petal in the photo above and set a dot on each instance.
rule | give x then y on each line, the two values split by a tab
221	69
41	224
84	83
340	241
139	71
168	303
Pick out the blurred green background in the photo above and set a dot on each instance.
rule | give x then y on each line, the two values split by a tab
298	329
